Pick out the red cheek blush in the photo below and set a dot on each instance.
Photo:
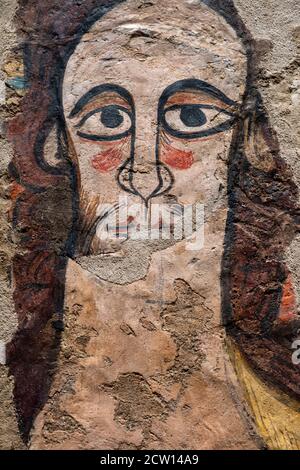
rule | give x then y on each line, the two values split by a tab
178	159
107	160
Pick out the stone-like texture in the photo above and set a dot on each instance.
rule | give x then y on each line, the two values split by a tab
145	400
277	24
135	375
9	435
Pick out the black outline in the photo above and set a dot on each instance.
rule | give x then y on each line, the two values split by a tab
98	90
98	137
197	135
194	84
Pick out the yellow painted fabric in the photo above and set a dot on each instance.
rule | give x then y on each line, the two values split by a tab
277	416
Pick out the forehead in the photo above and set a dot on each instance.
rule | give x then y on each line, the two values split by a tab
146	49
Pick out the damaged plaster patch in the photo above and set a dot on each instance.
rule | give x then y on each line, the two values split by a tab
131	265
60	425
292	259
2	353
2	92
136	403
9	433
276	20
138	399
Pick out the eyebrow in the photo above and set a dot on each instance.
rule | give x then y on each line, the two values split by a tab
194	84
98	90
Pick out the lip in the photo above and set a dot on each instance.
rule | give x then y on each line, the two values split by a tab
124	230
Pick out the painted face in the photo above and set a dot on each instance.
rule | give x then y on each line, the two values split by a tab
151	95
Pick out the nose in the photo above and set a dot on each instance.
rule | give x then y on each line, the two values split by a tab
145	177
143	174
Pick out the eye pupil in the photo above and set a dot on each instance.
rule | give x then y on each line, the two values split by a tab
111	117
192	116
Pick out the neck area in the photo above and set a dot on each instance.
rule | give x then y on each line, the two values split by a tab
143	365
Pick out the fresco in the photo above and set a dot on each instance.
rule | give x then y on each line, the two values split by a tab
149	343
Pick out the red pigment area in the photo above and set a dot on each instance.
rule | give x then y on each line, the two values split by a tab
288	302
15	190
107	160
179	159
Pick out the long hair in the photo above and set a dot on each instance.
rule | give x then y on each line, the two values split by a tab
262	220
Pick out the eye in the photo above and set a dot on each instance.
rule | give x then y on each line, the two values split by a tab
111	117
192	116
193	121
111	122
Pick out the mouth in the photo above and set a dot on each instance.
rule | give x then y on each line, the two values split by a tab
118	224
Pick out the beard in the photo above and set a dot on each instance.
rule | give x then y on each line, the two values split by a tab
113	241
